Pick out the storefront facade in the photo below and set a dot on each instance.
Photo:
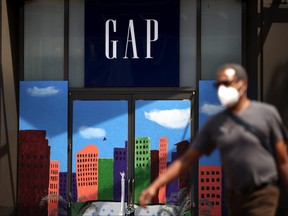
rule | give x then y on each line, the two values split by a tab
97	80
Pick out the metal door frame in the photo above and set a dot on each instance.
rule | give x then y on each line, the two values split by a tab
131	95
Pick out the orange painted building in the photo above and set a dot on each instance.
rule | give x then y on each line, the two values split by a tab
87	173
53	189
163	150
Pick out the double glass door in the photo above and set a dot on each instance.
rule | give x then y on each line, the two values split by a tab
126	141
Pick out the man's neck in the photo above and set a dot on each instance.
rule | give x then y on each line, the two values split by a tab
241	105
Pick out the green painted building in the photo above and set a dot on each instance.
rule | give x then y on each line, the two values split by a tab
142	165
105	179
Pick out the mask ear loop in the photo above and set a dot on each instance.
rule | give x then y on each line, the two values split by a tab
238	88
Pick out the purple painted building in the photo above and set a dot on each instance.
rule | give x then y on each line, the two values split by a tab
63	192
74	188
120	165
172	188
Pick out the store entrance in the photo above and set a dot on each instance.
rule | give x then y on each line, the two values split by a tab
121	142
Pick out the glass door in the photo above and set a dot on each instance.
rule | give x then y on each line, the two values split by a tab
164	125
99	159
162	133
121	143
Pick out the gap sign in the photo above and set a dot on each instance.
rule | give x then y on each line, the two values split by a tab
131	43
130	39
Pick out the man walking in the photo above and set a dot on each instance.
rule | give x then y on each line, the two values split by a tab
251	170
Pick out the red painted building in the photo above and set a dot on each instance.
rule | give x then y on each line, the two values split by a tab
154	171
33	172
184	180
210	190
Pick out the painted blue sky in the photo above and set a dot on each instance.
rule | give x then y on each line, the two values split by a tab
208	105
163	118
44	106
94	120
102	123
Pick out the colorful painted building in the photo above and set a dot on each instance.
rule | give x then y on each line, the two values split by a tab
33	169
142	165
53	190
87	173
163	150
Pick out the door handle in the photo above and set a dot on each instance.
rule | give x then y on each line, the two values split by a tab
130	205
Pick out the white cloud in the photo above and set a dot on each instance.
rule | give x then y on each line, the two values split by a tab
210	109
91	133
174	118
42	92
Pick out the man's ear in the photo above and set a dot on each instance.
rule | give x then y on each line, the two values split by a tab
244	85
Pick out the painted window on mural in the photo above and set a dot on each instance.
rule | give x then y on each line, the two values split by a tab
162	131
100	133
42	150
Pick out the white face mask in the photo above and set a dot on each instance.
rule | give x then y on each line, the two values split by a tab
228	96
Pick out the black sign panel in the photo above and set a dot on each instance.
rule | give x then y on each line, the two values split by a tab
131	43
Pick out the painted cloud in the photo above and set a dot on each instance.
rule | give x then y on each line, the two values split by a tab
91	133
174	118
42	92
210	109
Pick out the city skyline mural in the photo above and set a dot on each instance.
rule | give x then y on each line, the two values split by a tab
99	125
42	155
99	145
44	106
210	171
209	105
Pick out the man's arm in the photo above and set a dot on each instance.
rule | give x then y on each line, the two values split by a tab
281	153
178	167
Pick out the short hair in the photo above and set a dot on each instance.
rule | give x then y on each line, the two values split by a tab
239	69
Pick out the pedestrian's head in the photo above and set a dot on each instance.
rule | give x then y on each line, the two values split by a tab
231	83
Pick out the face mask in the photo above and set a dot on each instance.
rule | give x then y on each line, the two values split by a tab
228	96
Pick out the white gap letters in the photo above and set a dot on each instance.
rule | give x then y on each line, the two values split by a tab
131	39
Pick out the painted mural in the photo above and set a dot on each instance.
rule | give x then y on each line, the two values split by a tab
100	150
162	130
209	171
42	153
100	134
208	106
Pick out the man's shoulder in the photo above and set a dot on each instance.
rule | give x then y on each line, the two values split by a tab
217	116
258	105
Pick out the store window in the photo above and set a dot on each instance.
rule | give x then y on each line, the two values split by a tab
187	42
220	35
44	40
